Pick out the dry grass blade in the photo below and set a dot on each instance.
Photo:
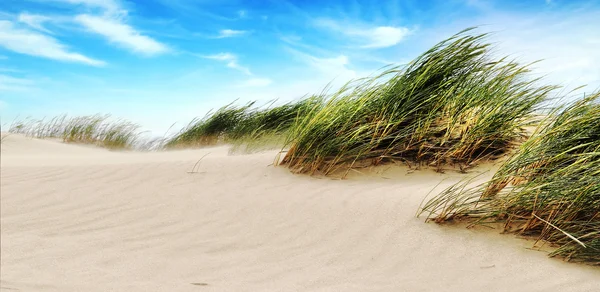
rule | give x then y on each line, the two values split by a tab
565	233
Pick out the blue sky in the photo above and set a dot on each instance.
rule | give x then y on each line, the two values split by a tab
157	62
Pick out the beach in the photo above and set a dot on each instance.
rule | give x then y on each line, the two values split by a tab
82	218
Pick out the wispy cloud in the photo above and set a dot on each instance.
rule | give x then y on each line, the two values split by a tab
33	43
368	36
10	83
333	66
107	18
227	33
565	42
383	36
231	60
35	21
121	34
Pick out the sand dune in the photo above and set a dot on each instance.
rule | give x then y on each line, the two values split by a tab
78	218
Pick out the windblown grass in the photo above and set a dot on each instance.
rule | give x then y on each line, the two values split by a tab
236	124
263	141
97	129
454	104
211	129
550	188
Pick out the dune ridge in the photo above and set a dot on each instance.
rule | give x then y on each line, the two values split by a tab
78	218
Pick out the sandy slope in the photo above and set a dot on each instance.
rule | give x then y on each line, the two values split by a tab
78	218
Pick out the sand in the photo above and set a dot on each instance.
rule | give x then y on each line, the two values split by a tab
79	218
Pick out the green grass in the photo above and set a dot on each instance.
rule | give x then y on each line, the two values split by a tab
454	104
252	144
549	189
239	124
97	130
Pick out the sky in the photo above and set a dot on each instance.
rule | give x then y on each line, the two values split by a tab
159	62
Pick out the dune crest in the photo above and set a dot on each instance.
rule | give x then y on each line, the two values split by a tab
79	218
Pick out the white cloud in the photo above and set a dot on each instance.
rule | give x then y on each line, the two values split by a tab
35	21
567	57
257	82
329	73
369	37
9	83
565	42
329	68
227	33
122	34
222	57
384	36
32	43
106	18
242	13
231	60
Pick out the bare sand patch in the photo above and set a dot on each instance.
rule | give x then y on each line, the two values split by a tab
80	218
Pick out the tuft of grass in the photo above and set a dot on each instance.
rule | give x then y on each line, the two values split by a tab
550	188
262	141
454	104
95	129
239	124
212	129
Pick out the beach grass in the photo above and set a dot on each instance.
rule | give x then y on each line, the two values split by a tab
98	130
454	105
549	189
236	124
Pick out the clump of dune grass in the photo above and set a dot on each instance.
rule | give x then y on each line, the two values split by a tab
211	129
98	130
261	141
454	104
549	189
241	124
272	119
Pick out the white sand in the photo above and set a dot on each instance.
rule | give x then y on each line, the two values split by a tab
78	218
